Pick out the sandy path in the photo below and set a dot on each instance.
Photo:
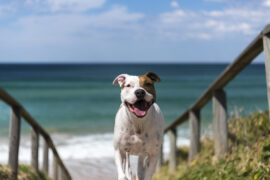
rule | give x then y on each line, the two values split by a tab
92	169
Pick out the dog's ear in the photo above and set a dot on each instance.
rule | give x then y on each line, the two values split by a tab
152	76
120	79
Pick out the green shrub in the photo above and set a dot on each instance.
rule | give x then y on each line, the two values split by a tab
248	157
24	173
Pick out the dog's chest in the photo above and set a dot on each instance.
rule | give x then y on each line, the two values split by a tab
140	142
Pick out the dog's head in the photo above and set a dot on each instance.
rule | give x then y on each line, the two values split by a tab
137	92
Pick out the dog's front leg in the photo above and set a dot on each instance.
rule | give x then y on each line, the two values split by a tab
127	167
120	159
141	168
151	164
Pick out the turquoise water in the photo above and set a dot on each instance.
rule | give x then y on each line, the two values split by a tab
81	99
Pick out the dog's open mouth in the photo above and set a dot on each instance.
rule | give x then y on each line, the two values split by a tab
139	108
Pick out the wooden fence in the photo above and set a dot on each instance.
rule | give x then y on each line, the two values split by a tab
216	92
18	111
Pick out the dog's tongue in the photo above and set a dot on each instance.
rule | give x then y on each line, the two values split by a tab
139	112
140	108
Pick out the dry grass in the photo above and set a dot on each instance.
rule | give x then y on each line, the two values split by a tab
24	173
249	156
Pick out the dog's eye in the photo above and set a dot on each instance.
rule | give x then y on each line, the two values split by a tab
148	84
128	85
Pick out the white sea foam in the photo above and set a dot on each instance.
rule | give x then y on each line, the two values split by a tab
94	146
84	155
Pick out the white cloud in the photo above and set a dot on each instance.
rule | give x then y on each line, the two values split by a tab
74	5
176	24
173	17
214	13
64	5
70	35
203	36
174	4
236	13
225	27
213	23
6	9
59	28
56	28
266	3
216	1
31	2
116	17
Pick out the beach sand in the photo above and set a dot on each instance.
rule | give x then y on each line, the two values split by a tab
97	169
92	169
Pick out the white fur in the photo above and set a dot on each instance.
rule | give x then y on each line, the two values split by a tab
137	136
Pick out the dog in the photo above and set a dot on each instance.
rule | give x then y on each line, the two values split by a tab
139	126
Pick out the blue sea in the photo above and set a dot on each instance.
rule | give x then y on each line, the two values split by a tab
77	103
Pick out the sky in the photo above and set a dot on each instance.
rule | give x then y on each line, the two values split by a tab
109	31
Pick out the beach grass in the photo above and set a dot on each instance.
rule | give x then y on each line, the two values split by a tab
24	173
248	157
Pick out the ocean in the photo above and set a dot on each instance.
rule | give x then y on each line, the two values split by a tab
77	103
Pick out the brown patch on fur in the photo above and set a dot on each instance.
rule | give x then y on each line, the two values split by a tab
123	85
147	82
152	76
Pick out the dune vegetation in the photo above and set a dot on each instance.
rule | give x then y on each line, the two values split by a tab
248	157
24	173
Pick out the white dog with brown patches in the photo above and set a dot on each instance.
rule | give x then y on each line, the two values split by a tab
138	126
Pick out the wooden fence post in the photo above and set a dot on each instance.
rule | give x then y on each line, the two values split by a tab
14	141
62	174
220	123
266	47
55	168
173	150
194	126
45	157
34	148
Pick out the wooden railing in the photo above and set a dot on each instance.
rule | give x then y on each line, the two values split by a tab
216	92
18	111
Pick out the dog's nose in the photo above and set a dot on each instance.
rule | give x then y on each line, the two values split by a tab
140	93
